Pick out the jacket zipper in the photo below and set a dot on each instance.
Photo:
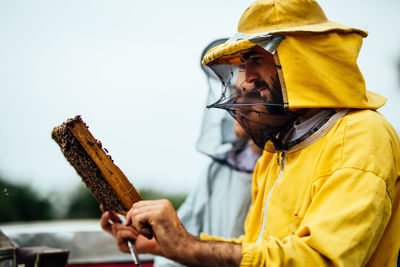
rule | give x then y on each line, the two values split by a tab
281	162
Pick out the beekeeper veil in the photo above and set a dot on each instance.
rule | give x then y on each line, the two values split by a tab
257	105
217	137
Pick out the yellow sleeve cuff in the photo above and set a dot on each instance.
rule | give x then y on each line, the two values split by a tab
206	237
248	252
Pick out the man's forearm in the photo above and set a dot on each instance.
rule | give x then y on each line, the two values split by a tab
195	252
174	242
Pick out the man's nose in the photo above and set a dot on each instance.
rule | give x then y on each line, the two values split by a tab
251	74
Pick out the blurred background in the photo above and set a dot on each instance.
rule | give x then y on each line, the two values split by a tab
131	70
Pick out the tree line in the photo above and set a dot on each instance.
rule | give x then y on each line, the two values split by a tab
21	203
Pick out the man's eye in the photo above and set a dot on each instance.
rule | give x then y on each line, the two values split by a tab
254	59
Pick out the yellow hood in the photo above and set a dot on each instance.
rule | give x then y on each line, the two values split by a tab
317	58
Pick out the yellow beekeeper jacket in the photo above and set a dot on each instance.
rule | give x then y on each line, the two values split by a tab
332	200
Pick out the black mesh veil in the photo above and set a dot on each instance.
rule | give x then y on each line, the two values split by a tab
256	103
217	138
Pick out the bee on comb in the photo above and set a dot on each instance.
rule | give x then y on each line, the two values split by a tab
101	176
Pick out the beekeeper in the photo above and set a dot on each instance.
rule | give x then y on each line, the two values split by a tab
326	189
219	203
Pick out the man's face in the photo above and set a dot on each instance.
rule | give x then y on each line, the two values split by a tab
256	90
260	85
261	75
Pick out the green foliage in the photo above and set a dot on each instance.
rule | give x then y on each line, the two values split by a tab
176	198
82	205
22	203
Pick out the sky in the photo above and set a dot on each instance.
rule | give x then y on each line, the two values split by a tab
131	70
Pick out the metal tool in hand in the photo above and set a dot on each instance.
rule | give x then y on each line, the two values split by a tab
133	252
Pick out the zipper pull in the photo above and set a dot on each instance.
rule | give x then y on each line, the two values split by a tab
278	158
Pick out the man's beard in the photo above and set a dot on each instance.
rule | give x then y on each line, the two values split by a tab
274	95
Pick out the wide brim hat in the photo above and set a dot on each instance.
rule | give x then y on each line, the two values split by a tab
276	17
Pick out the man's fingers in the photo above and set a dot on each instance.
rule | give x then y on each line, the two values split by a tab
138	217
114	217
128	218
147	231
150	203
124	234
144	215
102	208
141	224
108	218
121	227
104	222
